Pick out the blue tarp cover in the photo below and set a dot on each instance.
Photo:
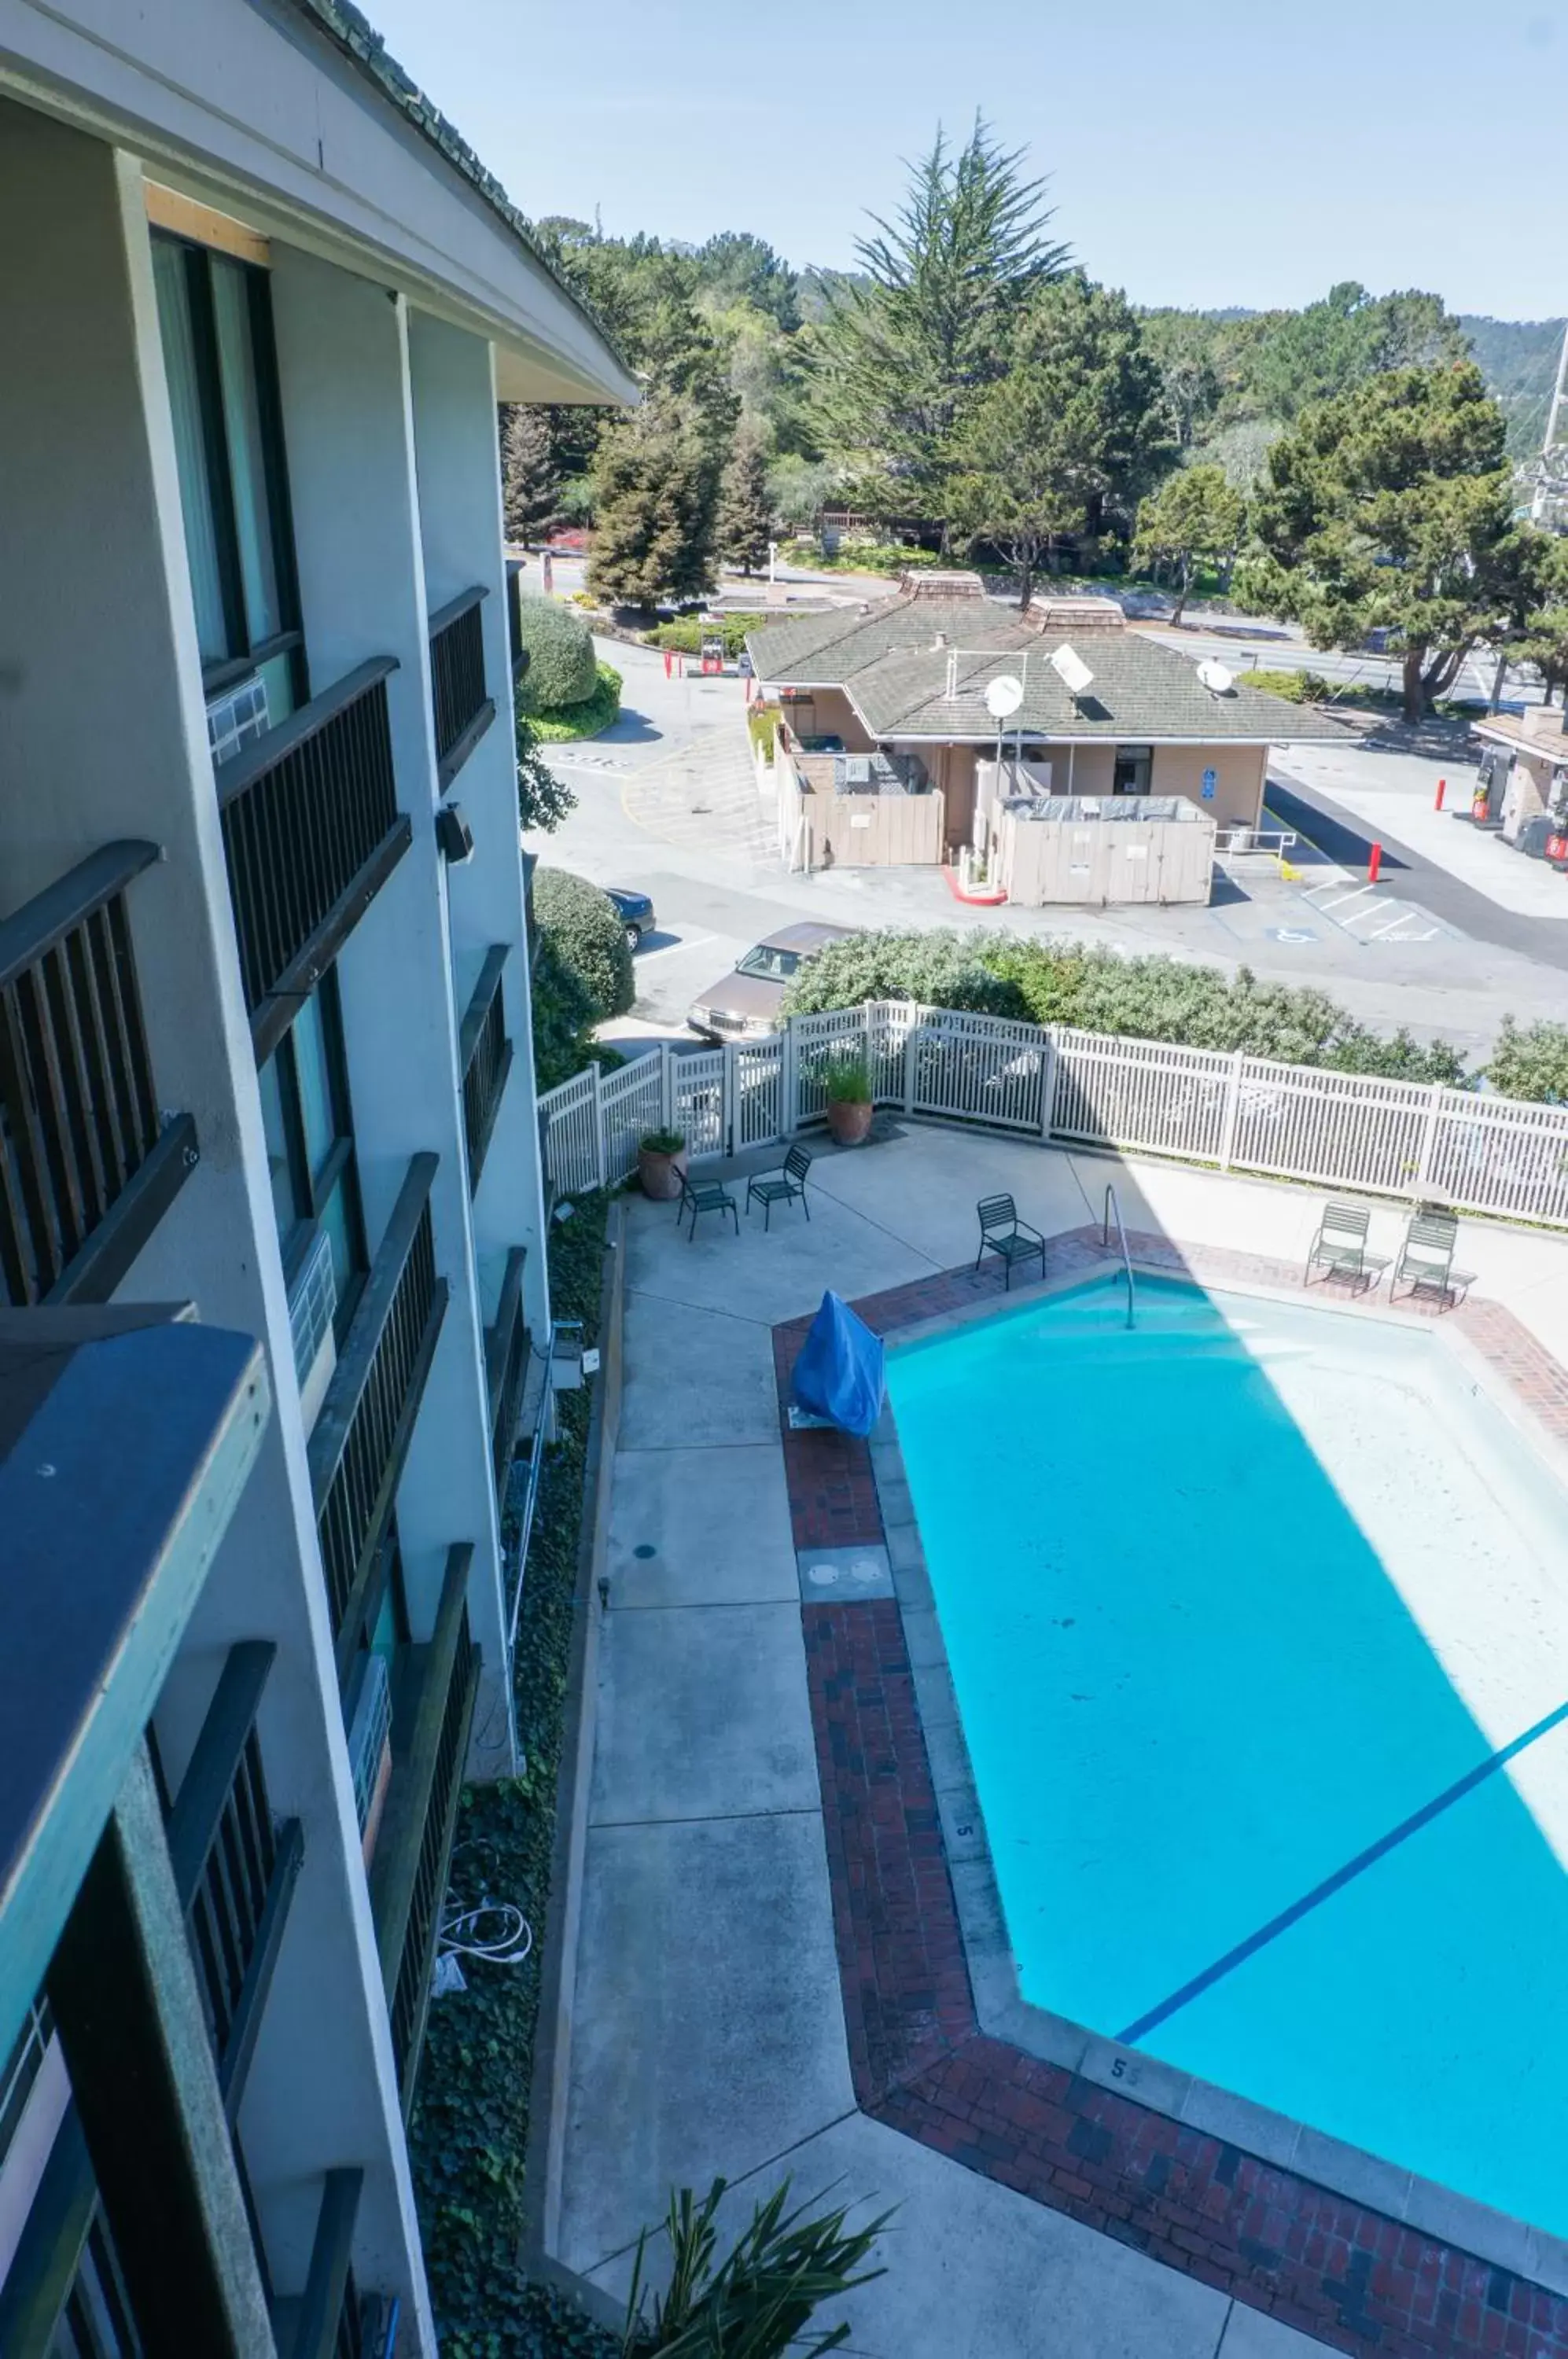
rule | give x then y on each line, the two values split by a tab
839	1372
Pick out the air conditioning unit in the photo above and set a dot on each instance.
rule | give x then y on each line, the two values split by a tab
370	1748
857	769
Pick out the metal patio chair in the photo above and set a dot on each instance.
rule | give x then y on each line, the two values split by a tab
1425	1261
1339	1248
770	1188
713	1196
1002	1231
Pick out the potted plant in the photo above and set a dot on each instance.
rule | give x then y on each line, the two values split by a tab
847	1081
661	1164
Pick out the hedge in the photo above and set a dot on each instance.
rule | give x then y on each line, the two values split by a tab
581	974
588	718
686	633
1532	1063
560	656
469	2133
1096	991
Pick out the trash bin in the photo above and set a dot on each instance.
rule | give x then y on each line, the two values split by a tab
1535	834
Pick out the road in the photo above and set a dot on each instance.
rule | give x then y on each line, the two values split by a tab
667	802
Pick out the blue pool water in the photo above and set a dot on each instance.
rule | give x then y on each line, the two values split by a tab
1230	1602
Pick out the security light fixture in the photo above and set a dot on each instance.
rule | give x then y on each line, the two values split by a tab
453	834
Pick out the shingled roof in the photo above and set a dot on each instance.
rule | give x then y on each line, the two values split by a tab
892	663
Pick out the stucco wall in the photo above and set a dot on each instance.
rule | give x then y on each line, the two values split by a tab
1238	785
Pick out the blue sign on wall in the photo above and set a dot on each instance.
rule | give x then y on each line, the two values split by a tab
1210	780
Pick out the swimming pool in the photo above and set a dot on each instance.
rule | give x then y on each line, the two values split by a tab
1258	1620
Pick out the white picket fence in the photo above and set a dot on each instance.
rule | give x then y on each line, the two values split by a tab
1237	1113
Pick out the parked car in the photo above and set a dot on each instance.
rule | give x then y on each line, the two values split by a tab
635	913
744	1005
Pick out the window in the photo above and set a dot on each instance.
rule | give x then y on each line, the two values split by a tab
216	325
767	964
1133	765
308	1127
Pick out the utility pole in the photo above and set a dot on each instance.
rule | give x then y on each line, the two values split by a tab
1549	504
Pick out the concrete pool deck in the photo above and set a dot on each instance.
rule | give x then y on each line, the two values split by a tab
710	2034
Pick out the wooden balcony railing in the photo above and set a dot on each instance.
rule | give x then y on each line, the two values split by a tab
486	1057
506	1368
461	709
88	1162
312	831
434	1688
361	1436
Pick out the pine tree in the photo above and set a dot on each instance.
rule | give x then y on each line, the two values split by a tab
530	486
656	505
745	512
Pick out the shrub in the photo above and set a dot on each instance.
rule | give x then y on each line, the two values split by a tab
1532	1063
560	656
685	635
762	726
543	800
589	718
564	1015
861	557
847	1078
582	927
662	1142
943	969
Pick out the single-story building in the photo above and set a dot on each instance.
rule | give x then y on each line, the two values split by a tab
889	752
1524	772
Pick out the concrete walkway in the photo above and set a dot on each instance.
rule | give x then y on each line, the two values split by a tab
709	2033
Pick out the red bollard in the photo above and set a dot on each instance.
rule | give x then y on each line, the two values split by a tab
669	666
1374	863
1442	791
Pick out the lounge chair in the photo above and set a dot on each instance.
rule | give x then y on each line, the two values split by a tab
770	1188
1339	1248
1002	1231
1425	1261
713	1197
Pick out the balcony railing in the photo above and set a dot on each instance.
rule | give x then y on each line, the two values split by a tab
506	1368
235	1868
312	831
361	1438
461	709
430	1721
235	1872
486	1057
87	1163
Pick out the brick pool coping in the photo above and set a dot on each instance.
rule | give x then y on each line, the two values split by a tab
1354	2277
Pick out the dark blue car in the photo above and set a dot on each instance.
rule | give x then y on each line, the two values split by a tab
635	911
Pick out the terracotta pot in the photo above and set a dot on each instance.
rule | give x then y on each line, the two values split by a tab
660	1175
849	1122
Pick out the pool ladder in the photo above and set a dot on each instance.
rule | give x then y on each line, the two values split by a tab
1112	1205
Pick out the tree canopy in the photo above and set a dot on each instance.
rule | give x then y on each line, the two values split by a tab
1390	507
1067	438
1195	518
927	321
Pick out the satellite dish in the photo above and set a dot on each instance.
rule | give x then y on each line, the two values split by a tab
1071	672
1217	678
1003	695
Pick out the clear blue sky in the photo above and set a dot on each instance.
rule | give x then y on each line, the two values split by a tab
1222	151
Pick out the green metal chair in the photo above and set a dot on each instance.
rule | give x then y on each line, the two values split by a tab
1002	1231
1425	1261
713	1197
770	1188
1339	1248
